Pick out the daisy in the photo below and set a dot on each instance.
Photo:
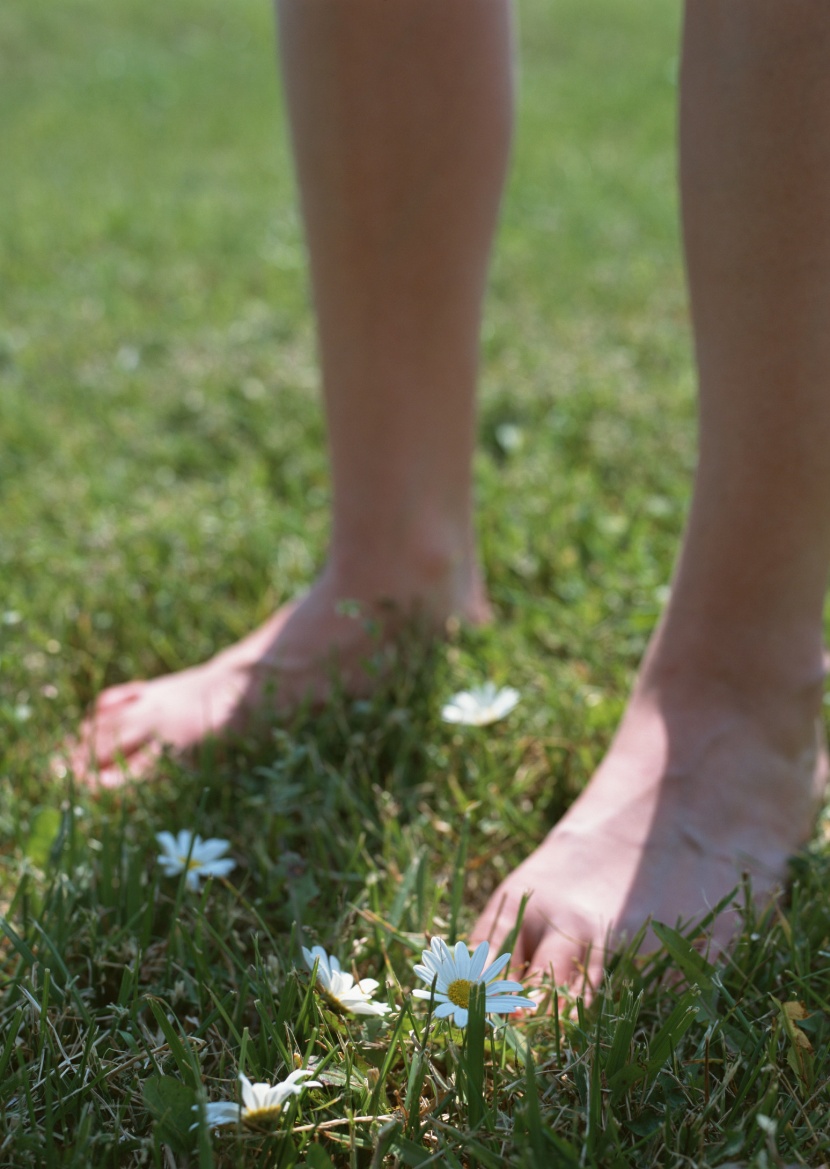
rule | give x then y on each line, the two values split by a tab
455	973
480	706
339	988
201	858
260	1102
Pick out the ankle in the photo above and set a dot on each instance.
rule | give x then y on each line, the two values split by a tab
777	682
436	576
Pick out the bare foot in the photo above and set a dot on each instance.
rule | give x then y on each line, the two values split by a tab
294	658
698	788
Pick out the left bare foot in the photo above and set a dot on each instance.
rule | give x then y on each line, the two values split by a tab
298	656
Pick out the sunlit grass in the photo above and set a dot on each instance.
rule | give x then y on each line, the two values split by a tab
164	486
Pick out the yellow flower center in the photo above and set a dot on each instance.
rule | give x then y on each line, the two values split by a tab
190	864
257	1116
458	992
331	1001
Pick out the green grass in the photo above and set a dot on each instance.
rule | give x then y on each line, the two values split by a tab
164	486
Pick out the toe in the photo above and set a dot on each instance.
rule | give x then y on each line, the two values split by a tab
103	742
135	767
97	773
115	696
568	963
557	956
497	922
114	731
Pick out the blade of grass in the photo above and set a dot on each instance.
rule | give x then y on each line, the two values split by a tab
473	1056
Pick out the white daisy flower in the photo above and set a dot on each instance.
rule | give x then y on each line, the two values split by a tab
201	858
339	988
260	1102
455	973
480	706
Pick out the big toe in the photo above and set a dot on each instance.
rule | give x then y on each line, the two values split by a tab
111	733
136	766
117	696
498	920
565	947
568	962
106	762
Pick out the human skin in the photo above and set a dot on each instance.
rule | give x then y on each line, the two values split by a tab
401	118
400	113
719	764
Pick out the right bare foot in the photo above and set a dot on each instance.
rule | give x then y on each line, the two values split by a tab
711	777
292	659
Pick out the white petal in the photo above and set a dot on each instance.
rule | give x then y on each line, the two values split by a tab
368	985
277	1094
432	962
461	1016
445	1009
367	1007
341	983
478	961
263	1097
504	701
318	954
461	708
219	1113
495	968
481	706
466	718
462	960
443	971
325	965
209	850
218	868
183	842
312	955
440	949
438	997
249	1098
503	986
167	841
282	1092
300	1074
507	1003
192	880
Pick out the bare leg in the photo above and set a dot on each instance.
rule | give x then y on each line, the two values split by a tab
401	116
718	765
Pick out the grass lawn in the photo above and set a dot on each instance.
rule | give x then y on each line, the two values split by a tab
163	487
